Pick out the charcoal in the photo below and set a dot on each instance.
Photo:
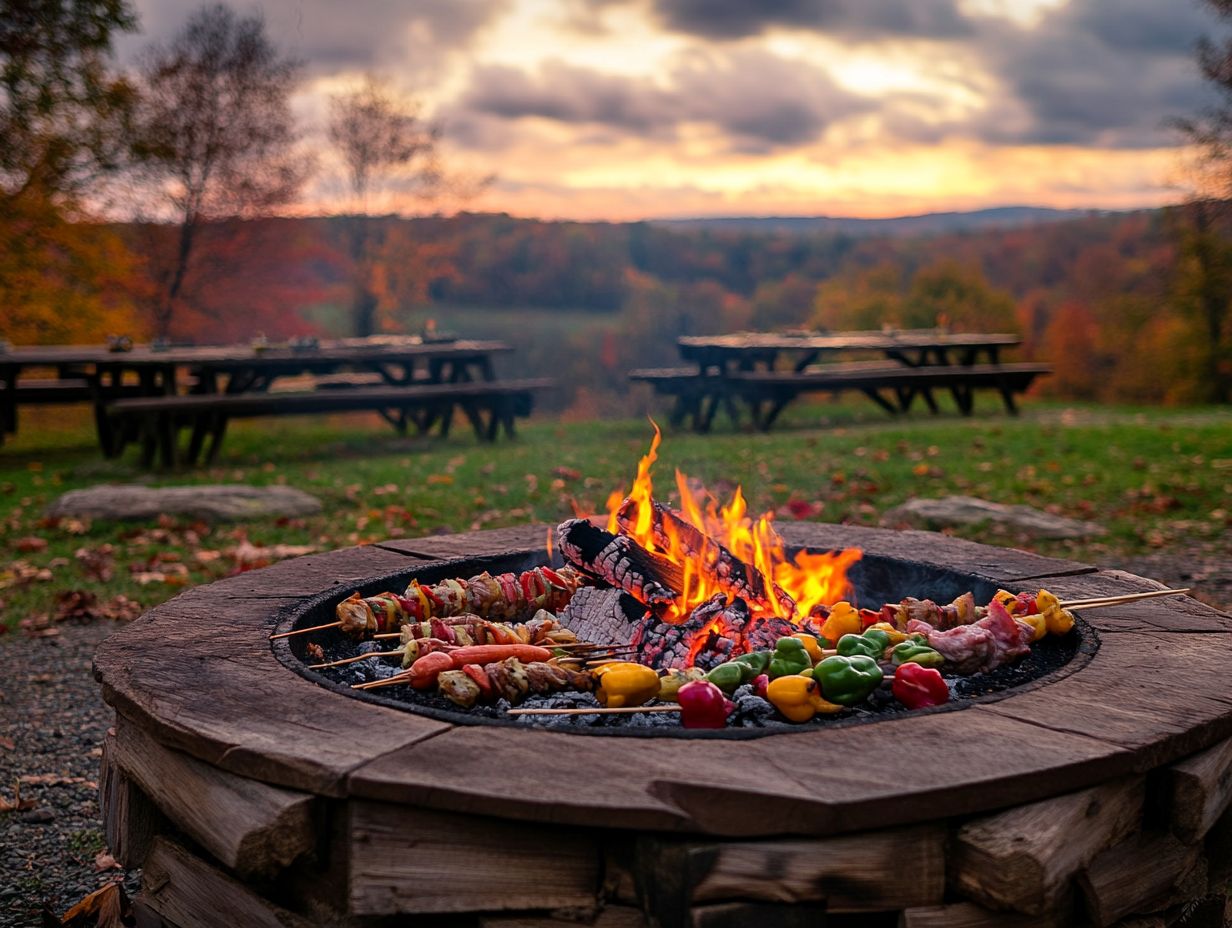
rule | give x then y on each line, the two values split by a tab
619	561
604	616
763	634
732	575
753	710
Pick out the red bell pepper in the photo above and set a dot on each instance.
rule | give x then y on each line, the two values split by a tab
703	705
918	687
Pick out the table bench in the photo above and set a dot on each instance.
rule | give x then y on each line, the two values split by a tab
156	421
698	394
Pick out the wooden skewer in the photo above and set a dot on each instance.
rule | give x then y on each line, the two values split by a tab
1098	601
388	681
357	657
598	710
304	631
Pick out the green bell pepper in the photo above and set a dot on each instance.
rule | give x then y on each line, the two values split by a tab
758	660
872	643
789	657
731	675
847	680
915	650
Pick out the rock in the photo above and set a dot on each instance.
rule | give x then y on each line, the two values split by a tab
968	510
211	502
37	817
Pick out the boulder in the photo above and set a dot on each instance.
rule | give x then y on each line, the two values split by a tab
211	502
949	511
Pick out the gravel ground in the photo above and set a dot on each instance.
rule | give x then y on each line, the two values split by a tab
52	723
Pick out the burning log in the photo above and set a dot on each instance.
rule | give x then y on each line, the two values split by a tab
620	561
728	572
602	615
712	635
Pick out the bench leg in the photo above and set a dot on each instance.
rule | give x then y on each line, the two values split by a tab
1007	395
200	428
964	396
168	430
880	400
148	435
217	433
927	393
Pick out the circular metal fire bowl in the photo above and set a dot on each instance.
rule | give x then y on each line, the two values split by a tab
876	579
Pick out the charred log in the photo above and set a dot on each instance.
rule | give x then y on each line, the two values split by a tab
619	561
603	615
712	635
731	574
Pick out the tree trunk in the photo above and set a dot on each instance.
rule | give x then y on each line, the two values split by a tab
363	300
1213	300
166	307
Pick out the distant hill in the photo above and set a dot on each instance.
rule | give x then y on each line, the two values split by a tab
1001	217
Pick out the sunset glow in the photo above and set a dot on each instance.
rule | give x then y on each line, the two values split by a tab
625	109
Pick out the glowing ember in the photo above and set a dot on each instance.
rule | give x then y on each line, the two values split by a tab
791	589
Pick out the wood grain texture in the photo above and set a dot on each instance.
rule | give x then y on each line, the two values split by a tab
1026	858
1149	873
848	874
130	820
746	914
249	827
198	674
186	892
613	916
405	860
1201	789
464	544
969	915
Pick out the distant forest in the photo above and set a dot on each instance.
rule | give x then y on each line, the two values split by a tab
1114	301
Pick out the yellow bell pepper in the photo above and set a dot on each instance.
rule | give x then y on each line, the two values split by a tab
1059	621
895	636
799	698
811	645
1008	600
626	684
1038	623
843	620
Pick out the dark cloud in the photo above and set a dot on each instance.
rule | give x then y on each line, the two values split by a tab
861	19
760	101
1097	72
357	35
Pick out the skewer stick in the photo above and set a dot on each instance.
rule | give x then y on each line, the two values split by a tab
357	657
1098	601
388	681
304	631
599	710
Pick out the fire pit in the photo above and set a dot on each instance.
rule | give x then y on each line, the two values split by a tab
255	793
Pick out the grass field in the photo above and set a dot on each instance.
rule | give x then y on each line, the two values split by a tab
1156	479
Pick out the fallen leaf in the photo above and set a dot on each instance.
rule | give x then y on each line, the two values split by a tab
104	861
97	563
17	804
30	544
567	473
49	779
315	651
105	908
444	479
7	743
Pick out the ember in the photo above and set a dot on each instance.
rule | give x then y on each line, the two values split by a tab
716	583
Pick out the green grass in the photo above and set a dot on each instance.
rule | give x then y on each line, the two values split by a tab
1153	477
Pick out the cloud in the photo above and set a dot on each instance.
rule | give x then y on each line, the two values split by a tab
756	99
354	36
858	19
1097	72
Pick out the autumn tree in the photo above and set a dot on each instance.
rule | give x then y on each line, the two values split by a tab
63	112
214	136
1204	281
383	142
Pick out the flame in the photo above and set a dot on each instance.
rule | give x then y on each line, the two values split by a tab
809	579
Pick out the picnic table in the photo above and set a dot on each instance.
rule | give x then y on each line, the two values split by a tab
764	371
148	393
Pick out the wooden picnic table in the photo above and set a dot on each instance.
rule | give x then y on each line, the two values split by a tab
104	376
766	371
748	351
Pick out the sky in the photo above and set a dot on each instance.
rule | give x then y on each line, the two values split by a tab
632	109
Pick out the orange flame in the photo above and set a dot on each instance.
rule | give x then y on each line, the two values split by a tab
809	579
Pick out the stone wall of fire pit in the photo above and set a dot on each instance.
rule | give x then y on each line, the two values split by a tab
252	795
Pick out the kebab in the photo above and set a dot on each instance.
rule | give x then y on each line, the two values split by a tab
504	596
